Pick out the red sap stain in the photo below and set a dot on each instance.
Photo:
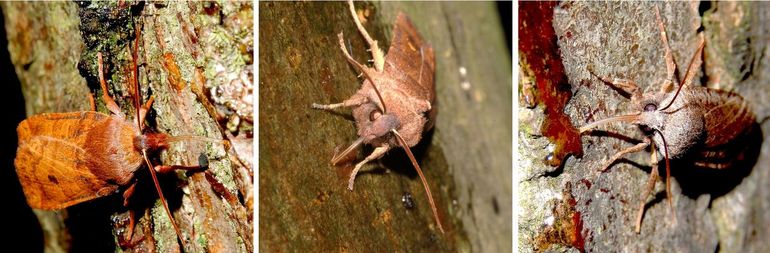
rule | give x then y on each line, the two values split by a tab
567	228
578	241
537	42
586	182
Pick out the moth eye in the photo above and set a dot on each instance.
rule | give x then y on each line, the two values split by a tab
650	107
374	115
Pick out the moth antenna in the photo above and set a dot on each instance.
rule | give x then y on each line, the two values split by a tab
162	199
422	177
363	70
336	159
135	76
668	174
632	93
622	118
382	102
196	138
689	75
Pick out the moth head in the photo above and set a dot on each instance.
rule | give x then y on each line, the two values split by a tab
374	124
374	127
650	118
658	110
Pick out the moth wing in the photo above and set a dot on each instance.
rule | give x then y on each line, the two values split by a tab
725	122
53	173
730	128
69	126
409	58
51	163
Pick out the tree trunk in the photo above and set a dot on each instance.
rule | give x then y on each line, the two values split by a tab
304	202
574	207
195	60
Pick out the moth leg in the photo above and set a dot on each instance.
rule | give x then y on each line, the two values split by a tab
170	168
128	241
202	160
128	193
650	185
355	100
619	154
91	102
670	64
366	71
145	108
377	153
667	86
131	224
627	86
340	156
108	101
377	55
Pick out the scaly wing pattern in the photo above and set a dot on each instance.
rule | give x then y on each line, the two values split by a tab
51	163
411	59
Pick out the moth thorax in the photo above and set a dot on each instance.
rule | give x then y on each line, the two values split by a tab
151	141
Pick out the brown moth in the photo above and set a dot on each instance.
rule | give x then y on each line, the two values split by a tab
704	125
395	104
64	159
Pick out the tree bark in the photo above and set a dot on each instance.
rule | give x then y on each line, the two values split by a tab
195	60
723	210
304	203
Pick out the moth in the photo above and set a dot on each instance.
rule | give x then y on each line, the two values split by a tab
396	102
68	158
703	125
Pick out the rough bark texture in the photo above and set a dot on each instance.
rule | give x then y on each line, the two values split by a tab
715	210
304	203
192	56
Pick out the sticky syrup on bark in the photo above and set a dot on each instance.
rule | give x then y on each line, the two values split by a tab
537	43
